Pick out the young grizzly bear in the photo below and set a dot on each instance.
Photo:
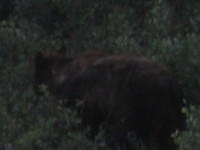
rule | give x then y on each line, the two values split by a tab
123	93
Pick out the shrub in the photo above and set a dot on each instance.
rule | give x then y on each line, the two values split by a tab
190	139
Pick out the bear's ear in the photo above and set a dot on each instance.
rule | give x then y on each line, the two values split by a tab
42	67
42	60
39	59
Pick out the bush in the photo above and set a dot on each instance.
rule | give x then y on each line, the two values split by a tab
190	139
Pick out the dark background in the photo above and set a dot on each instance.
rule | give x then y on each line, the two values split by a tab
164	30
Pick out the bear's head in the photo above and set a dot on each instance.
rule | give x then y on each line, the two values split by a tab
50	70
63	76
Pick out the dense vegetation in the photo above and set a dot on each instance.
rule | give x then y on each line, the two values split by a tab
165	30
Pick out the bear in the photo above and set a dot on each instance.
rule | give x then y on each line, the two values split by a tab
133	93
122	93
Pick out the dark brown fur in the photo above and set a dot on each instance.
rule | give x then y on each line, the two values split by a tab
124	93
135	94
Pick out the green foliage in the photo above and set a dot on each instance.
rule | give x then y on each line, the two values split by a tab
165	30
182	55
190	139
